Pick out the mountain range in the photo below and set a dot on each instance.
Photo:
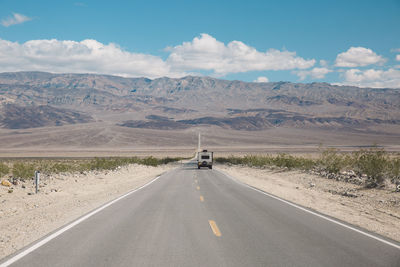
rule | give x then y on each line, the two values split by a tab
31	100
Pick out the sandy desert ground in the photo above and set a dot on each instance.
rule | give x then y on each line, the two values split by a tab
102	139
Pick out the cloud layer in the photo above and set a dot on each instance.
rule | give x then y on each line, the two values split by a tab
373	78
315	73
87	56
207	53
15	19
204	53
358	57
261	79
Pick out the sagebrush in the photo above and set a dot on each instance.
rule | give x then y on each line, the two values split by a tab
25	169
374	163
4	169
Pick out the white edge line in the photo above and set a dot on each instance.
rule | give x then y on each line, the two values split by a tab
312	212
69	226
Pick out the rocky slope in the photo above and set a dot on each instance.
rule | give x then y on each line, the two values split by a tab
13	116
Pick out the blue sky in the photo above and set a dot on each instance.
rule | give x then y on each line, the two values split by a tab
344	42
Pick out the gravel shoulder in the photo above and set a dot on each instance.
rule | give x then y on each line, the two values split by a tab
377	210
26	217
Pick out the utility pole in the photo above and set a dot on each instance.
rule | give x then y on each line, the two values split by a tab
199	144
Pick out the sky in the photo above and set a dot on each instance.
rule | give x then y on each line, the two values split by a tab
341	42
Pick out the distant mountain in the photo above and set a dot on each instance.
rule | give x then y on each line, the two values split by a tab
21	117
31	99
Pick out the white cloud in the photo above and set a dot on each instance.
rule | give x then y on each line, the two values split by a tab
207	53
358	57
373	78
15	19
91	56
87	56
398	57
261	79
323	63
315	73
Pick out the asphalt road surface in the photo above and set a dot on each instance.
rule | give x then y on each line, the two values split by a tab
191	217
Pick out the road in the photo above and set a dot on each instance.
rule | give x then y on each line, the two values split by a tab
191	217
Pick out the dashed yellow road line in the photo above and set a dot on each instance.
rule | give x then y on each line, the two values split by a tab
214	228
198	188
201	198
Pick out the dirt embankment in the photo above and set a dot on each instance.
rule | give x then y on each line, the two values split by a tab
377	210
25	217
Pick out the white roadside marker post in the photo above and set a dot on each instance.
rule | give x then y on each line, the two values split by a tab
37	179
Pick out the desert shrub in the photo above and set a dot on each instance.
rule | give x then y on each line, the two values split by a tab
348	161
113	163
169	160
23	170
306	163
373	163
231	160
61	167
254	161
101	164
331	161
394	168
286	161
4	169
281	160
221	160
292	162
150	161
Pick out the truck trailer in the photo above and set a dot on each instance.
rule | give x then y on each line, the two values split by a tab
204	159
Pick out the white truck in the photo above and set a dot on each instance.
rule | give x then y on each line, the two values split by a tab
204	159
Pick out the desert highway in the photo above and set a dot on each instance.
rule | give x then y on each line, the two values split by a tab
190	217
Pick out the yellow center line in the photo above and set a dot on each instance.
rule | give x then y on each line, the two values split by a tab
214	227
198	188
201	198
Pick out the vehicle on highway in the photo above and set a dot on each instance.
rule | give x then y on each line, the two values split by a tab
204	159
